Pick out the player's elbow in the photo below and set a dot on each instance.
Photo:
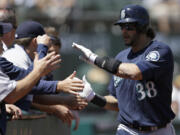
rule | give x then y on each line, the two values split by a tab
135	74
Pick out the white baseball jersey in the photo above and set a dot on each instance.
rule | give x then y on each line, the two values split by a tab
18	56
6	85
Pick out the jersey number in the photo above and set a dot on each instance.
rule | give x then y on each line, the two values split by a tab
148	91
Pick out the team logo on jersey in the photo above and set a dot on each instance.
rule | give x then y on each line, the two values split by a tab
153	56
123	14
117	80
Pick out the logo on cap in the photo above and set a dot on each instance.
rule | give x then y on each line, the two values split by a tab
123	14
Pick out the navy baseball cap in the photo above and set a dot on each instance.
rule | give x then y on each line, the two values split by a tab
29	29
5	27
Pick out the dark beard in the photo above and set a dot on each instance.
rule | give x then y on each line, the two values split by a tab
133	41
130	44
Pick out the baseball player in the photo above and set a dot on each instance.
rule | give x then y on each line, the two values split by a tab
11	90
142	81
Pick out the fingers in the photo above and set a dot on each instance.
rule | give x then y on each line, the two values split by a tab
72	92
49	55
77	119
16	114
77	81
54	61
75	45
44	39
81	105
52	56
77	85
75	89
69	118
84	79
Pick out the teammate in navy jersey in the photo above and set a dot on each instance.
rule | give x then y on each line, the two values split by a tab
142	81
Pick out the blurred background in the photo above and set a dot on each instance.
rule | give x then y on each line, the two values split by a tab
90	22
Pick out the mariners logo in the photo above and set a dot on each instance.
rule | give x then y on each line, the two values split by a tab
153	56
117	80
123	14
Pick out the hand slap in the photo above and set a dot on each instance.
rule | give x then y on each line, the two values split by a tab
87	92
88	54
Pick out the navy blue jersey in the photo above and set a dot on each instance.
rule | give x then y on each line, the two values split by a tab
146	102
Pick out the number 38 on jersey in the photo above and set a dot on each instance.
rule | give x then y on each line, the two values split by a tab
146	91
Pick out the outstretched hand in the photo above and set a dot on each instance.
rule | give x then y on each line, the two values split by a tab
71	84
88	55
46	64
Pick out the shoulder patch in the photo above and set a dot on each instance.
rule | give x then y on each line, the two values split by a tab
153	56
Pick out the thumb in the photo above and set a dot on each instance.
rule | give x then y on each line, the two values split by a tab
72	75
75	45
84	78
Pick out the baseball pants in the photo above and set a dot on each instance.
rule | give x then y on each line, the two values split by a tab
124	130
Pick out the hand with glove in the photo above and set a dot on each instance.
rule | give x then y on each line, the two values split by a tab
90	95
87	92
88	55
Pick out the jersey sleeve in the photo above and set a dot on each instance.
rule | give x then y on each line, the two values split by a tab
42	50
44	87
14	72
156	62
6	85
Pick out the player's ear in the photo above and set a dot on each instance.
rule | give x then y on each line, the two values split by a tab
34	42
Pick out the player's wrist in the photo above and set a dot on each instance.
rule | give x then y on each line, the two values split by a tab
93	57
109	64
99	100
59	86
91	96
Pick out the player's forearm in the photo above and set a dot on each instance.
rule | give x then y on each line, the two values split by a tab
111	103
49	99
129	71
124	70
44	108
23	87
106	102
